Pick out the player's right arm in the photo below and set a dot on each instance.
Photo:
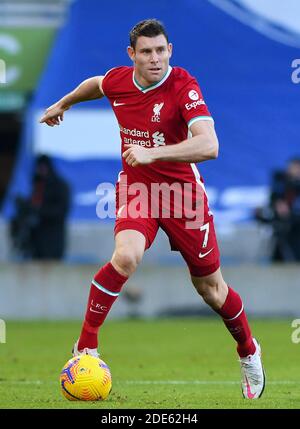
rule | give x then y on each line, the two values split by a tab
89	89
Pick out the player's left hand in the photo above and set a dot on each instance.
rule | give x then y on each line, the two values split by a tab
136	155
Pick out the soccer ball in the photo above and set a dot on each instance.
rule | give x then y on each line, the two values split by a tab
85	378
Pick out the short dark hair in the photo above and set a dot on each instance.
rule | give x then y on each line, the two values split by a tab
147	28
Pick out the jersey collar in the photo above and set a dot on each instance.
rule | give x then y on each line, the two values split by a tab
154	85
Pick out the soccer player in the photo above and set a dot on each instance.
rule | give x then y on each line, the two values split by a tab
156	106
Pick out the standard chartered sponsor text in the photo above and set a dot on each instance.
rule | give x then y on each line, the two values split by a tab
135	132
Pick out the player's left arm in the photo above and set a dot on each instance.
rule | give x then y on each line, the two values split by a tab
202	146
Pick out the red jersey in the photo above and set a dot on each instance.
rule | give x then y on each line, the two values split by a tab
157	115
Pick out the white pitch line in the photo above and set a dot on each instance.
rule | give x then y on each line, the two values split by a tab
204	382
158	382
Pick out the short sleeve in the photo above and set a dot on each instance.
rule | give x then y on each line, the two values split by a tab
113	81
192	105
106	82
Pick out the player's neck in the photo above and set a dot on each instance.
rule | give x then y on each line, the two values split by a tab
143	83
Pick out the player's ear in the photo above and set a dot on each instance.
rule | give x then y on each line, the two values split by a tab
131	53
170	49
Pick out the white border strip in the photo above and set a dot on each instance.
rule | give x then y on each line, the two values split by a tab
199	118
108	292
273	31
144	90
197	177
227	320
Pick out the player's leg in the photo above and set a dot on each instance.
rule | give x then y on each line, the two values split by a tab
129	250
228	304
107	284
199	248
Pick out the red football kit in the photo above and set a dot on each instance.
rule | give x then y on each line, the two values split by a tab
161	114
158	115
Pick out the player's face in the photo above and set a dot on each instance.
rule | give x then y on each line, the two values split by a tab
151	58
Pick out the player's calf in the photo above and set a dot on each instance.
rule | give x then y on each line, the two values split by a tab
105	289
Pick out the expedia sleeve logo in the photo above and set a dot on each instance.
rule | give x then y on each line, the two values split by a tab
197	101
193	95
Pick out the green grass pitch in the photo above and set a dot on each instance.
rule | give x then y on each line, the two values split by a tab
155	364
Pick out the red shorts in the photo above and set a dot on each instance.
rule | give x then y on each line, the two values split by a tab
199	247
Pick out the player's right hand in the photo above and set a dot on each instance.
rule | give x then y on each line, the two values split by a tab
53	115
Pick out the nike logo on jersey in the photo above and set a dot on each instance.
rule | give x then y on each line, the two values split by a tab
118	104
202	255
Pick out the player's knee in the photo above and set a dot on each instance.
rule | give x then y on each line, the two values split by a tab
126	260
213	292
211	297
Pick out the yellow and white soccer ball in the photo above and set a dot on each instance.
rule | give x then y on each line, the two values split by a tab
85	378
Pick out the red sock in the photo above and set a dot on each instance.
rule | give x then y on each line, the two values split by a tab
235	320
105	289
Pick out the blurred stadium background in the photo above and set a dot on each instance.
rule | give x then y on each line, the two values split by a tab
241	52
